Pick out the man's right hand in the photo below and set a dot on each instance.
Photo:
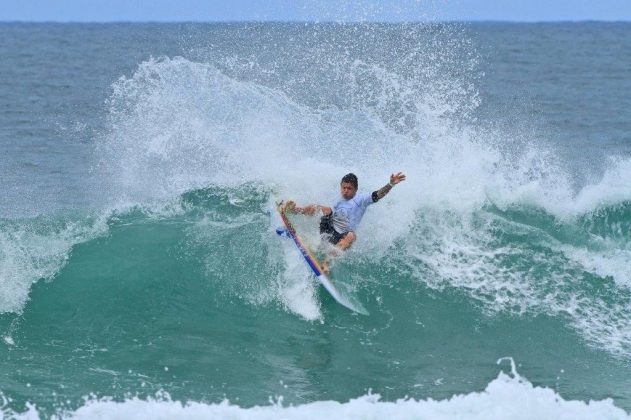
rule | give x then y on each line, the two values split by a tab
289	207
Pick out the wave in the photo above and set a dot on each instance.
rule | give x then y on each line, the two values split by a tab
507	396
520	260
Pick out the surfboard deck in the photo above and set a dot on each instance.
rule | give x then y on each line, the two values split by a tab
313	263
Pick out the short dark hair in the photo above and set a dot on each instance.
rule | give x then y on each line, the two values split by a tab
351	179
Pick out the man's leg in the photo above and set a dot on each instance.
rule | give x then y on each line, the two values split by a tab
342	245
346	241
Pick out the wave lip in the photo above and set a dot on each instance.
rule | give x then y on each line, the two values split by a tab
35	249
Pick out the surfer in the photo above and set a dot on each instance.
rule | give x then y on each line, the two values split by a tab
339	221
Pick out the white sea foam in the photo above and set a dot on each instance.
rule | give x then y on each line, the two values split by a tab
612	188
534	275
509	396
191	125
609	262
295	287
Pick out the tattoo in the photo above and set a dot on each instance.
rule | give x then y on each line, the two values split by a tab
381	193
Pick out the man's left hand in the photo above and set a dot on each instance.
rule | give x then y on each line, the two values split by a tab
396	178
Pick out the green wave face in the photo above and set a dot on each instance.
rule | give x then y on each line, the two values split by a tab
203	300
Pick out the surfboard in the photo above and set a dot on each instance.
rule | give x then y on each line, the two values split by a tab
289	231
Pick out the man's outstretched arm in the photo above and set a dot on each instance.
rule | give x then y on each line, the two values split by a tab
394	180
308	210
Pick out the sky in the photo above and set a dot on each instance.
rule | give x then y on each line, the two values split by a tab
313	10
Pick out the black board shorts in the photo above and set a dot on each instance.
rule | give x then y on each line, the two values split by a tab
326	229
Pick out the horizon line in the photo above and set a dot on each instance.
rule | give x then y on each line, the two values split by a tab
316	22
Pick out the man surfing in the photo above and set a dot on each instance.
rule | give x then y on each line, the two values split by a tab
339	221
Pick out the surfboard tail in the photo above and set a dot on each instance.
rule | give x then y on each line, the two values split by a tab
339	297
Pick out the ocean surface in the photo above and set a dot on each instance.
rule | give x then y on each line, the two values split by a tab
140	275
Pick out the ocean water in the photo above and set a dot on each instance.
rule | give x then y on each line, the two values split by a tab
140	275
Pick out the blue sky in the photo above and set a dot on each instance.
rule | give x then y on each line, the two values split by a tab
314	10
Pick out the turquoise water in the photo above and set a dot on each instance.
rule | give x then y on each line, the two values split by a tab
139	268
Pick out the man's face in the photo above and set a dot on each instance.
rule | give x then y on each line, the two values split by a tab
347	190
